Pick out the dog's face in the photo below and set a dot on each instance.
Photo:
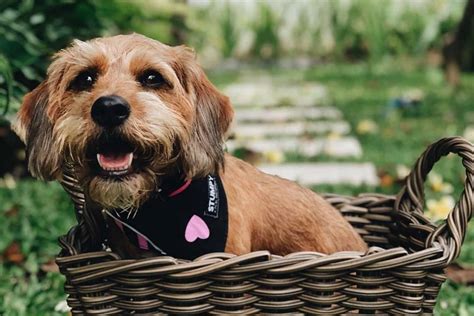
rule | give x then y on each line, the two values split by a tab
126	110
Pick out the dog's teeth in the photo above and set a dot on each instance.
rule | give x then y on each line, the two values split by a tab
125	167
99	161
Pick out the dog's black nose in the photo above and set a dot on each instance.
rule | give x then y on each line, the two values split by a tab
110	111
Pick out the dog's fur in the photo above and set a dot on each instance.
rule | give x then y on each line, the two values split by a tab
178	127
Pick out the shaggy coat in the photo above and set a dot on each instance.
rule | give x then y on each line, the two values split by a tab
177	125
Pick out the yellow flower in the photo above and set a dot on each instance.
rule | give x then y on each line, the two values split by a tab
438	185
439	209
8	182
367	127
274	156
334	135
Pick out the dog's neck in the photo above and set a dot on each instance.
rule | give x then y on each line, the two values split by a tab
172	183
185	221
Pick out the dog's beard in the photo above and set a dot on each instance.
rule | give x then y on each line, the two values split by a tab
126	194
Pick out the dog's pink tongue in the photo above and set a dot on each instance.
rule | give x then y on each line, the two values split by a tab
115	161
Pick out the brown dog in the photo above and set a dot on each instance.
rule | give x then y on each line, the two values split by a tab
132	113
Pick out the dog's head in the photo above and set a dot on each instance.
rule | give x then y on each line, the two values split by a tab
126	110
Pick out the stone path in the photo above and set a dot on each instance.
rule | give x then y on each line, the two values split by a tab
278	120
325	173
342	147
277	129
284	114
263	92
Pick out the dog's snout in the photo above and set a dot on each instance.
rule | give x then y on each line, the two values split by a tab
110	111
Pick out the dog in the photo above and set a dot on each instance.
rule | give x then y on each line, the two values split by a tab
142	125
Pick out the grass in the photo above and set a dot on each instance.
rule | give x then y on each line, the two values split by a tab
34	214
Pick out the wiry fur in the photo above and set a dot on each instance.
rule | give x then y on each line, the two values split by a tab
176	125
179	128
35	129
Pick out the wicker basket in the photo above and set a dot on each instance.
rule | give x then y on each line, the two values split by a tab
400	274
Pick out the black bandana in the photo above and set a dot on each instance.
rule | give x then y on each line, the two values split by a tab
187	223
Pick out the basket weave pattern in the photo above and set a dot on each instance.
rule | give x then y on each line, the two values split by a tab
400	274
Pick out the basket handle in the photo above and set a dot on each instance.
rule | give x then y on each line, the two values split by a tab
411	196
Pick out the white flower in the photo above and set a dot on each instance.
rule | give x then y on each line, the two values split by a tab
469	133
402	171
62	307
415	94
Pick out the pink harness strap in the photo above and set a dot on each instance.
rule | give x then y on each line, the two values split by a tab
119	224
142	243
180	189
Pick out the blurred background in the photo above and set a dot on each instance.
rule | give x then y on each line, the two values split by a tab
340	95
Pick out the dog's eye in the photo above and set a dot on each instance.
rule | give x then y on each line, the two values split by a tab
84	80
151	79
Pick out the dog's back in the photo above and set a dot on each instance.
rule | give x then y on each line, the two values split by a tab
268	212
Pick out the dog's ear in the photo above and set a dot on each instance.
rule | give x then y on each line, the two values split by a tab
204	151
35	129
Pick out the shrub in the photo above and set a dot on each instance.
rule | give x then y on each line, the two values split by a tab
32	30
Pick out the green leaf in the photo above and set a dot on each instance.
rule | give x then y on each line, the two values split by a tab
6	82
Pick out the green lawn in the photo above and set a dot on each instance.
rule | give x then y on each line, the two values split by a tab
34	214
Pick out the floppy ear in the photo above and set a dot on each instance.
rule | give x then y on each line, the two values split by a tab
35	129
203	153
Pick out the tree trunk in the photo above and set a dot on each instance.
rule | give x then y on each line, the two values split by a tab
458	51
179	29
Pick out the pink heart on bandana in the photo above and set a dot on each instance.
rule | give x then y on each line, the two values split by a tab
195	229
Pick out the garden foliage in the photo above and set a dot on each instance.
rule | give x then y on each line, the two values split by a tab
32	30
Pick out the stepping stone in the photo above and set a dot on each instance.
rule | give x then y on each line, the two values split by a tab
267	93
285	114
341	147
325	173
255	131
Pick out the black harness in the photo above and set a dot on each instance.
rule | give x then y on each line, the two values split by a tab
189	222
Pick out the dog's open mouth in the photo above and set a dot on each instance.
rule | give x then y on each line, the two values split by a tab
112	156
115	163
